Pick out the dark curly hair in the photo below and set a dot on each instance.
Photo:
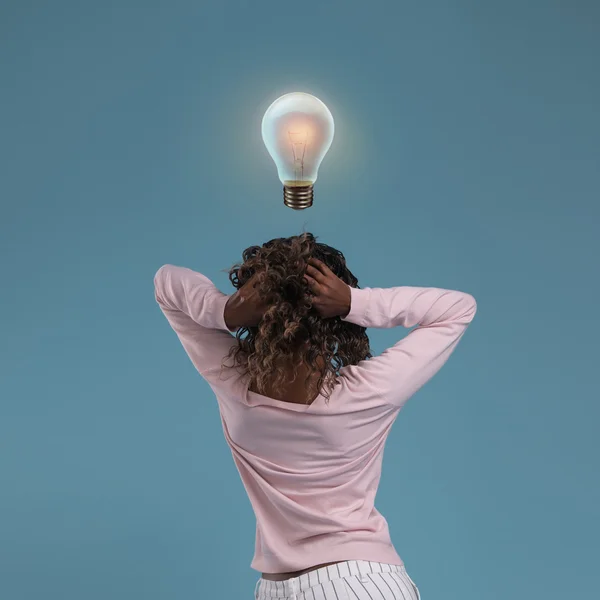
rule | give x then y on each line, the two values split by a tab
291	332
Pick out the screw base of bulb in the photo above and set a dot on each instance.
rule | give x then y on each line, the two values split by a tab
298	197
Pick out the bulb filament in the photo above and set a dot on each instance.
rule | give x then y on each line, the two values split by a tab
298	140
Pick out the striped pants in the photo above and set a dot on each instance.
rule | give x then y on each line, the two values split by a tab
349	580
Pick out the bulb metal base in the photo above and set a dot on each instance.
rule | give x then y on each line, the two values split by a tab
298	197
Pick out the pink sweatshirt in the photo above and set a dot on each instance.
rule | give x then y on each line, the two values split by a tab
312	471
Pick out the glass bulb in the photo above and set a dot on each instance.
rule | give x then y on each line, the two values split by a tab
297	130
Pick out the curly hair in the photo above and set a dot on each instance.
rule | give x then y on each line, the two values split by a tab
291	332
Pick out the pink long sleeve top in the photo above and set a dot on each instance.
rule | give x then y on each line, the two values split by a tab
312	471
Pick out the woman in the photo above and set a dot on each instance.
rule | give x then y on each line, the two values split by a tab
306	409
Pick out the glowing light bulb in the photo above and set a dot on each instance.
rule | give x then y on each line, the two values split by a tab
297	130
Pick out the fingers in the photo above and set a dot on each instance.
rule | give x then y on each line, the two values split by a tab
315	273
321	266
313	285
319	270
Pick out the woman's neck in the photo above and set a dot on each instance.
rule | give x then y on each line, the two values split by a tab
303	389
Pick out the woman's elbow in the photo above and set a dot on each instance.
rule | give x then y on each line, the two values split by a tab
470	306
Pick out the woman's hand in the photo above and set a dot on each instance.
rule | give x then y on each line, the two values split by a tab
332	296
245	308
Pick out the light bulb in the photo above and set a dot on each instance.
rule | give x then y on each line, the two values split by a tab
297	130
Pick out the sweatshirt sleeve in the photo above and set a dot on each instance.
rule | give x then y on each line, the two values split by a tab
194	308
441	318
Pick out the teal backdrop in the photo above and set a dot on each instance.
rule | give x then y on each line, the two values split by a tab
466	156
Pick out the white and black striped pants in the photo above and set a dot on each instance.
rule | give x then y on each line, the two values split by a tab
349	580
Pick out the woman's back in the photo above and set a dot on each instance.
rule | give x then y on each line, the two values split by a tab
311	471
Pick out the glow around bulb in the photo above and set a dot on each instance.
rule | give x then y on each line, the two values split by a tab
297	130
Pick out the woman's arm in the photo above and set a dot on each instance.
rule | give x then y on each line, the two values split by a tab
195	309
441	318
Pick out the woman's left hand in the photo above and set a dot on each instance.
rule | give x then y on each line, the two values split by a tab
245	308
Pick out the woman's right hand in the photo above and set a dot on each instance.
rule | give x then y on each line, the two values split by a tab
331	296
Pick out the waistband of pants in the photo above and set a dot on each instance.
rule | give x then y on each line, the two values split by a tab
296	585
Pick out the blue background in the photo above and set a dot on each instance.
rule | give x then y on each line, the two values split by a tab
466	156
